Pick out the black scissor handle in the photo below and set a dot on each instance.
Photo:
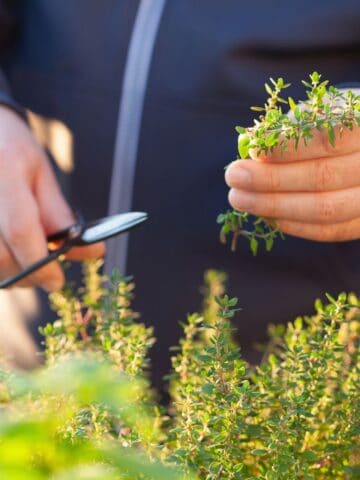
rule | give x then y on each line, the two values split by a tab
53	255
68	234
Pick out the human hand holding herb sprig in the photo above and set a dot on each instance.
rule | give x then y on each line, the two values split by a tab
302	168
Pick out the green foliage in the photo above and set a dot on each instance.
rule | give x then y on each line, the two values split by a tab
99	318
91	407
90	413
326	109
296	416
39	409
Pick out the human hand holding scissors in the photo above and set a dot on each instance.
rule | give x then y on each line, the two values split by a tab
80	235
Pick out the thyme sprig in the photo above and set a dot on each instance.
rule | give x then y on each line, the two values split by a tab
326	108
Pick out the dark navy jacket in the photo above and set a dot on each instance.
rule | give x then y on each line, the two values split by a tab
65	59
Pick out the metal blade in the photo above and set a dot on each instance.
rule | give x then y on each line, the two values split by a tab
110	226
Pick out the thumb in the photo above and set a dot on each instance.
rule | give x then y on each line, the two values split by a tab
56	214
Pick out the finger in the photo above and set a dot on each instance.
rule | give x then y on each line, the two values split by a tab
96	250
9	266
346	142
338	232
24	235
56	214
54	211
320	175
322	208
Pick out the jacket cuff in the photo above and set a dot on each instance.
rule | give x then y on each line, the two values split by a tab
6	100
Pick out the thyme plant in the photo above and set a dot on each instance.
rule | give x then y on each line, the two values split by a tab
99	319
296	416
90	412
326	108
36	410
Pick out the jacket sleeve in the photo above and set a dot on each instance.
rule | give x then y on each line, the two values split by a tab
7	31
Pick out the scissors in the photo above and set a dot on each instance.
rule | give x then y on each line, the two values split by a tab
81	234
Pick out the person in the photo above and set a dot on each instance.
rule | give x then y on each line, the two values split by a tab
136	101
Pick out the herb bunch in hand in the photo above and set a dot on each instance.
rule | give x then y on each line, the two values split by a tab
299	171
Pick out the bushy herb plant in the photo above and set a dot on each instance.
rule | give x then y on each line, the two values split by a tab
90	413
281	120
296	416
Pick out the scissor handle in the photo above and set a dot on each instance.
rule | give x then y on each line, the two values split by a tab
68	234
53	255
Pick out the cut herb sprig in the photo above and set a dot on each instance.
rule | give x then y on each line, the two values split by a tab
326	109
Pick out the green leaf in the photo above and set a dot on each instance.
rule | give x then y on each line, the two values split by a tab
331	133
292	104
310	456
258	109
298	323
297	113
259	451
243	146
254	245
315	77
269	242
342	298
268	89
208	389
271	140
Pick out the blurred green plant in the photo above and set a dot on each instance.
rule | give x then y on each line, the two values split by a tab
90	413
37	411
325	109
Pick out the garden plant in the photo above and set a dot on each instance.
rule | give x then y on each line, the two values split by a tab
90	412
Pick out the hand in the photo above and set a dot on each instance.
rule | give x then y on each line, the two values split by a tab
31	206
311	192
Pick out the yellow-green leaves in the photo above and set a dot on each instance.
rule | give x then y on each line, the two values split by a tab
244	145
292	103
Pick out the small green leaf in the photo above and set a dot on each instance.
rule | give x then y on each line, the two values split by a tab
271	140
254	245
269	242
297	113
292	104
331	133
268	89
243	146
257	109
342	298
315	77
298	323
208	389
259	451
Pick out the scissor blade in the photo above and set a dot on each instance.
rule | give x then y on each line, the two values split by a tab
110	226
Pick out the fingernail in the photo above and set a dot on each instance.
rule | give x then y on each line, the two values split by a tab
242	177
241	200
